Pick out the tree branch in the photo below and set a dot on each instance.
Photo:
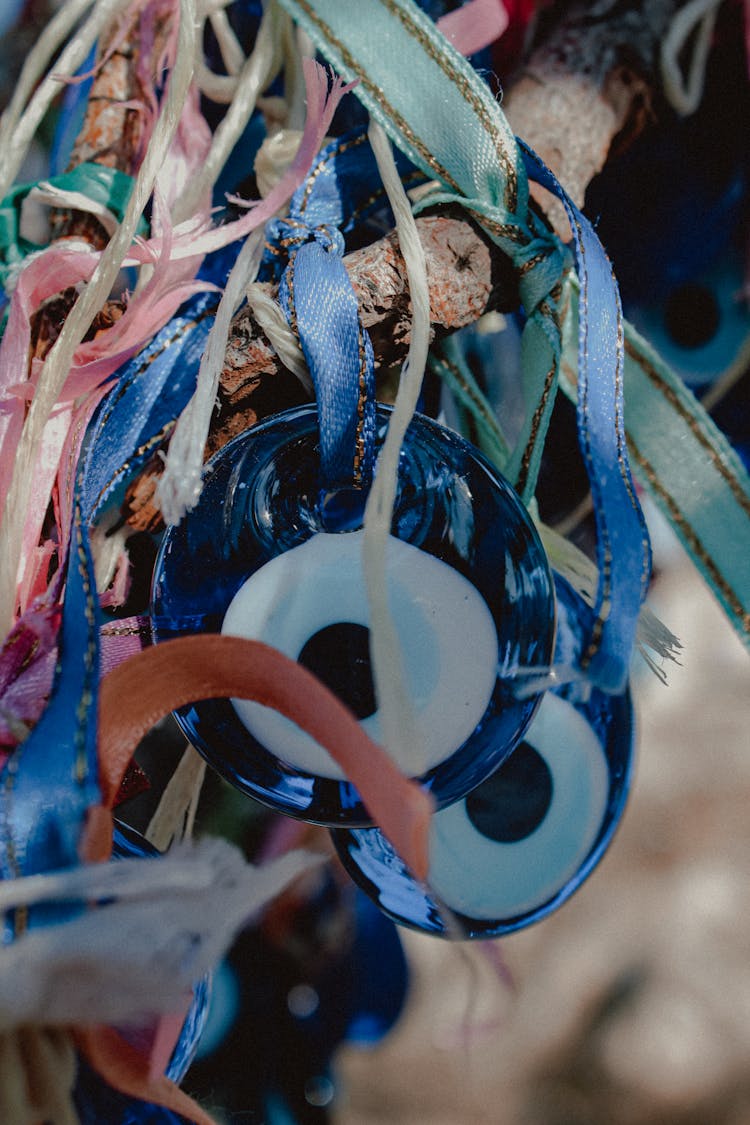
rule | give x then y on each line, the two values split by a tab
588	82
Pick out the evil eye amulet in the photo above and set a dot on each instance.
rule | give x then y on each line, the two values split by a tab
266	555
526	838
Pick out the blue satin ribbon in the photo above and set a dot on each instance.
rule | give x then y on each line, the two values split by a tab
319	303
623	553
151	392
318	300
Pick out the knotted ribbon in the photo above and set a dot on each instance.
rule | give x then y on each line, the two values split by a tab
321	307
442	116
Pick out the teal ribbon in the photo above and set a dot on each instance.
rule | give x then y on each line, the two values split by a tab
103	185
478	419
684	462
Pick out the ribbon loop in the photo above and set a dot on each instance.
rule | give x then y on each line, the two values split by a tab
540	264
319	303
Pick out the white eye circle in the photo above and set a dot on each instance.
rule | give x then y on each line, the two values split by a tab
514	843
310	603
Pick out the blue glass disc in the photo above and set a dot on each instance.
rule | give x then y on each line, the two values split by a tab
519	845
262	500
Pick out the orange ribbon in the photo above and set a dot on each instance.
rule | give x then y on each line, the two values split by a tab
147	686
127	1070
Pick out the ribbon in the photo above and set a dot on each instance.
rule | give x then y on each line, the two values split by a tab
685	464
447	361
443	117
319	302
127	1070
88	187
320	305
179	672
623	551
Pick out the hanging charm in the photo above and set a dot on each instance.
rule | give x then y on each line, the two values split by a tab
259	557
523	841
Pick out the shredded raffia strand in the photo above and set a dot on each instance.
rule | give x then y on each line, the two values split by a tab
652	635
692	24
57	364
51	196
181	483
655	638
270	317
175	812
395	709
257	71
107	547
16	144
231	51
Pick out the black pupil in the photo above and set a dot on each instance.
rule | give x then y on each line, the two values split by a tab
514	801
691	315
339	655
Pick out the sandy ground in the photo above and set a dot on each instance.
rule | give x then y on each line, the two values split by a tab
632	1003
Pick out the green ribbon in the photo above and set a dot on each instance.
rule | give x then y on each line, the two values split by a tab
478	419
105	186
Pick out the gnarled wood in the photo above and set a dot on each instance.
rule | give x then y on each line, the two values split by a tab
587	82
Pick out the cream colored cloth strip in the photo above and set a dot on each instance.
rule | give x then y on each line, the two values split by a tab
396	713
175	813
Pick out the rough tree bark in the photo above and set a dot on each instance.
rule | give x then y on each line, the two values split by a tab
588	83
